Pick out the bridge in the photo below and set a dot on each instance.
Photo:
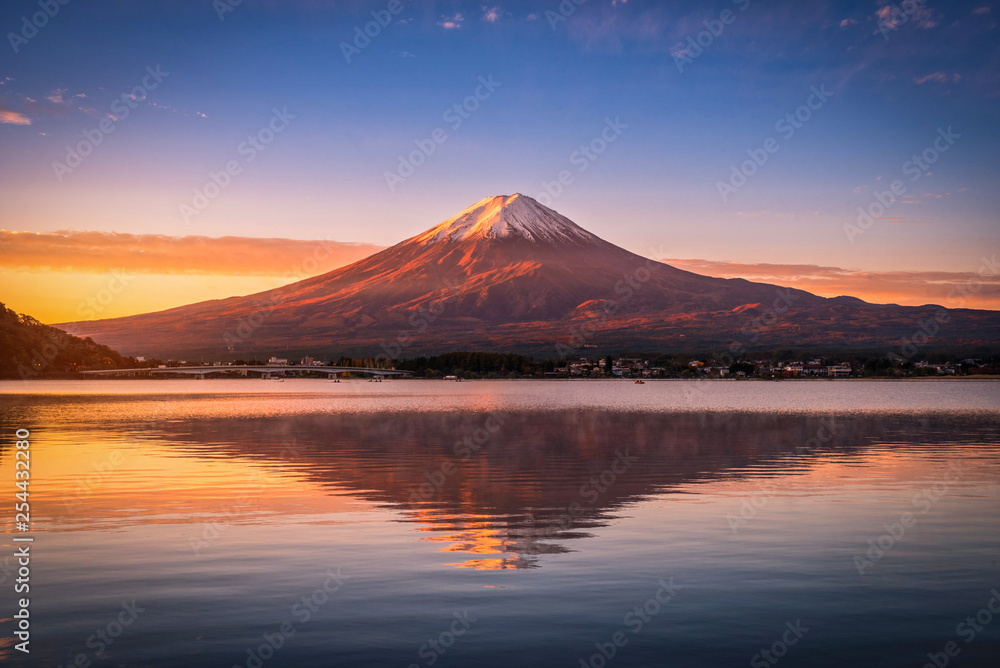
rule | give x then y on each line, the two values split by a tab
265	370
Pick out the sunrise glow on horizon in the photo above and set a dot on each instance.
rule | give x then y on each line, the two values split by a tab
606	114
597	333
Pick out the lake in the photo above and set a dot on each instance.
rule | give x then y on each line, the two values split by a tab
506	523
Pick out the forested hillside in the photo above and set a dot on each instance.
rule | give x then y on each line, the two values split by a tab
29	349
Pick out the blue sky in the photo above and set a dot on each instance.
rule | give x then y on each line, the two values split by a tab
655	186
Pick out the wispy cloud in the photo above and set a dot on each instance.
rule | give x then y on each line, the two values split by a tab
938	77
606	28
57	96
58	102
899	287
492	14
451	22
12	117
158	254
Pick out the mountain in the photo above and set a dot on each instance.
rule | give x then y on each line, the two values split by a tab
29	349
509	274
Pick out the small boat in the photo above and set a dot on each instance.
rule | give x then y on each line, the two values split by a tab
640	382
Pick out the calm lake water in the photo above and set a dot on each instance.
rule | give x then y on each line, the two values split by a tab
507	523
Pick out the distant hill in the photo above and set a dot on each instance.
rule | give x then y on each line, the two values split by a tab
29	349
511	275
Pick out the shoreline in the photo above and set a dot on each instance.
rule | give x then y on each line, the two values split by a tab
562	380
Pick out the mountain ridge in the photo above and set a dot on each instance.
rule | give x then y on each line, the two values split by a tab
509	274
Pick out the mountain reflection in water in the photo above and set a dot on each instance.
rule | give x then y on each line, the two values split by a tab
510	487
548	511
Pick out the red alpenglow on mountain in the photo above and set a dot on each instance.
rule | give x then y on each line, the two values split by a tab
510	275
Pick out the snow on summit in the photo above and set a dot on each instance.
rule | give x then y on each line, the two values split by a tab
516	276
505	216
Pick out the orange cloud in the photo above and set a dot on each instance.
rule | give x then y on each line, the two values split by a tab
51	275
910	288
13	117
72	251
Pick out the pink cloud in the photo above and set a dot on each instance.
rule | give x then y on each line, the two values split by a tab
451	22
912	288
12	117
492	14
938	77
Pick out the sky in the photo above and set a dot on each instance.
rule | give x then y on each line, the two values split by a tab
264	119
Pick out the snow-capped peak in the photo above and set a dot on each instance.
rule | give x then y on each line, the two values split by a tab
507	216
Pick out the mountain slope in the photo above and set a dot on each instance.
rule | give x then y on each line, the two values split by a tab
29	349
510	274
